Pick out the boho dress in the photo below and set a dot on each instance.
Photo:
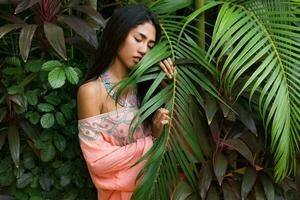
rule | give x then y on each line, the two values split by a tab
108	153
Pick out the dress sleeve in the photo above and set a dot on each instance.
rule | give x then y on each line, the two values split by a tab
110	165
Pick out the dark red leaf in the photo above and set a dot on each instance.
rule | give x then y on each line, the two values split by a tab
25	4
205	179
8	28
241	147
25	39
92	13
220	166
248	182
81	28
228	192
55	36
268	187
14	143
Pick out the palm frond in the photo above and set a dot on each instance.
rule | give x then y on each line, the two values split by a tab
262	39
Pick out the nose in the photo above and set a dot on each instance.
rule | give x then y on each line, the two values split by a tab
143	48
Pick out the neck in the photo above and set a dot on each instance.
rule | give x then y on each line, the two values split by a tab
117	70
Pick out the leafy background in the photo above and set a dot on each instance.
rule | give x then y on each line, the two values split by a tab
226	141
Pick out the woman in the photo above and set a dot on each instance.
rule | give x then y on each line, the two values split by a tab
104	119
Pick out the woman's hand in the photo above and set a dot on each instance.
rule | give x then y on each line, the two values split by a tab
159	120
167	66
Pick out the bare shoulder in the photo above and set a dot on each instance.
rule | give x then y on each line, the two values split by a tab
89	99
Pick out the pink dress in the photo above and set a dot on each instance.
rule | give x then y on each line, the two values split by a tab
108	153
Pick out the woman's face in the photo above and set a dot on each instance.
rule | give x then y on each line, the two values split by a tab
137	43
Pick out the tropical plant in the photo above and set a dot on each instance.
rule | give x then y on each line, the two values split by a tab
252	56
44	17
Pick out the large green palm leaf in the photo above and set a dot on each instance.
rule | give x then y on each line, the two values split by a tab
170	154
260	39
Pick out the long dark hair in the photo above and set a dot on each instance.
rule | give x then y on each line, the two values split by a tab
114	34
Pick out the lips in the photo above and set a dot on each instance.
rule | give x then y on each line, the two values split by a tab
137	58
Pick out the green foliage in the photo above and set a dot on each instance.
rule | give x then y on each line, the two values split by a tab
233	104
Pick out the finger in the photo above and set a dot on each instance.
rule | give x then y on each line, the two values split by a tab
171	64
164	111
164	122
164	68
168	66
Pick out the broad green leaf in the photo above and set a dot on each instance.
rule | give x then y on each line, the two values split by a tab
81	28
8	28
45	107
71	75
33	65
32	97
57	77
24	180
51	65
53	98
55	36
60	119
220	166
7	178
249	179
34	117
47	120
25	39
14	143
65	180
46	181
48	153
66	109
60	142
15	89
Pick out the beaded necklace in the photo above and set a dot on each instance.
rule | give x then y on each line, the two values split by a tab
130	100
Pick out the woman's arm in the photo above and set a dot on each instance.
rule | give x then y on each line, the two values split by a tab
109	165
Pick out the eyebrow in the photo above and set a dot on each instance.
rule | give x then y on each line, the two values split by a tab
144	37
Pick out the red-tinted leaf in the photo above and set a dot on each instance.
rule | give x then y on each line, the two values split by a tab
242	148
81	28
14	143
25	4
210	109
92	13
220	166
11	18
212	194
268	187
248	182
55	36
19	100
228	192
182	191
259	193
8	28
29	130
245	118
25	39
205	179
